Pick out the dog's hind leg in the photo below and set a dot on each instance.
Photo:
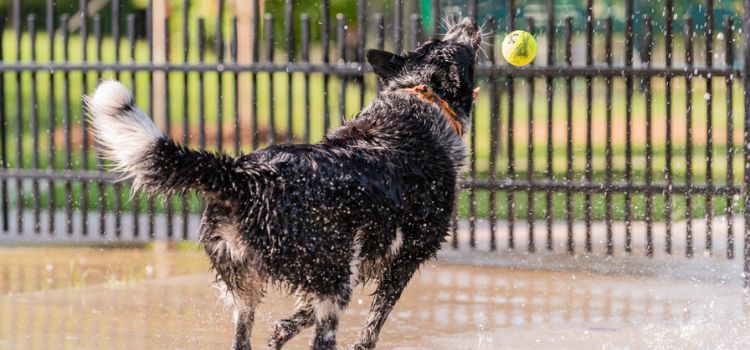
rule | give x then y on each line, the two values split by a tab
244	318
243	303
285	329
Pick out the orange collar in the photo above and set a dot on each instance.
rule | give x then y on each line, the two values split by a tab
425	93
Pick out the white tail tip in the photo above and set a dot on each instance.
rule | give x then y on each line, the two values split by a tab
123	132
109	98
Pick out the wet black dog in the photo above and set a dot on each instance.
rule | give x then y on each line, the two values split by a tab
371	202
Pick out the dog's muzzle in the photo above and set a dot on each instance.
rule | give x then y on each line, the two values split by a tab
466	32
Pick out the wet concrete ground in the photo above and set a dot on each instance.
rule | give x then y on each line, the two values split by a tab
85	298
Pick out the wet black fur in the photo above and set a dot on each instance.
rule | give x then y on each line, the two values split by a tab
295	214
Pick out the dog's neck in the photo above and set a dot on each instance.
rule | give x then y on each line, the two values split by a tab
426	93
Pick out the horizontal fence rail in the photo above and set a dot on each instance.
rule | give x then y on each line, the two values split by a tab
616	122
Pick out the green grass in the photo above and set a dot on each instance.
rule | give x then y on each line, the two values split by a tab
20	96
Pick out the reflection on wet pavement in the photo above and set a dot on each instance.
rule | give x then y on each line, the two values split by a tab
75	298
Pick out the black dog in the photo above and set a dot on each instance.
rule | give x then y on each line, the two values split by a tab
371	202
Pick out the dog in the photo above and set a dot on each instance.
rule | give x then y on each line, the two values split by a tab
370	203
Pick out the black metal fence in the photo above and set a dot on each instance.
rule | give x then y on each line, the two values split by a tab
615	142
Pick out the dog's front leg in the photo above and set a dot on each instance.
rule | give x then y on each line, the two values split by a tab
327	312
243	328
392	284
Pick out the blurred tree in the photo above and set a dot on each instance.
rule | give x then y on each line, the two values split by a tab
39	7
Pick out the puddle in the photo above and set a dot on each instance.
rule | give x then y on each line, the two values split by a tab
141	299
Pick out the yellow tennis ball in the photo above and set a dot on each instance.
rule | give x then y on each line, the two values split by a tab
519	48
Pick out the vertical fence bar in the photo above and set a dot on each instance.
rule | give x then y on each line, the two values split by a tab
51	125
379	39
648	43
34	111
435	18
628	125
236	88
100	189
472	10
116	33
269	58
588	172
130	31
415	30
305	38
83	30
361	41
201	35
746	138
255	131
341	40
201	85
729	63
668	37
550	95
510	86
325	15
454	226
494	132
398	32
219	49
19	118
169	200
472	168
709	126
608	148
289	35
67	126
3	140
569	133
689	138
530	205
116	40
150	42
472	180
185	107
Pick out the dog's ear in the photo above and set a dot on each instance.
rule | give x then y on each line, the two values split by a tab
386	65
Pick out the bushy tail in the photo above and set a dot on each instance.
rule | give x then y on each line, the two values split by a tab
126	135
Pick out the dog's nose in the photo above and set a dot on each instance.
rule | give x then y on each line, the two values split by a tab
467	31
469	21
469	24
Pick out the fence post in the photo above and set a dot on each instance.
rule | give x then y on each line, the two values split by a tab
746	141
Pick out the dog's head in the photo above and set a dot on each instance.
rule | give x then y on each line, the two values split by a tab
447	65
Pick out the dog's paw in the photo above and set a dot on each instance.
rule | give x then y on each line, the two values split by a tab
360	346
244	345
281	332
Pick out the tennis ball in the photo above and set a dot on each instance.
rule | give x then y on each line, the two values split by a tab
519	48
